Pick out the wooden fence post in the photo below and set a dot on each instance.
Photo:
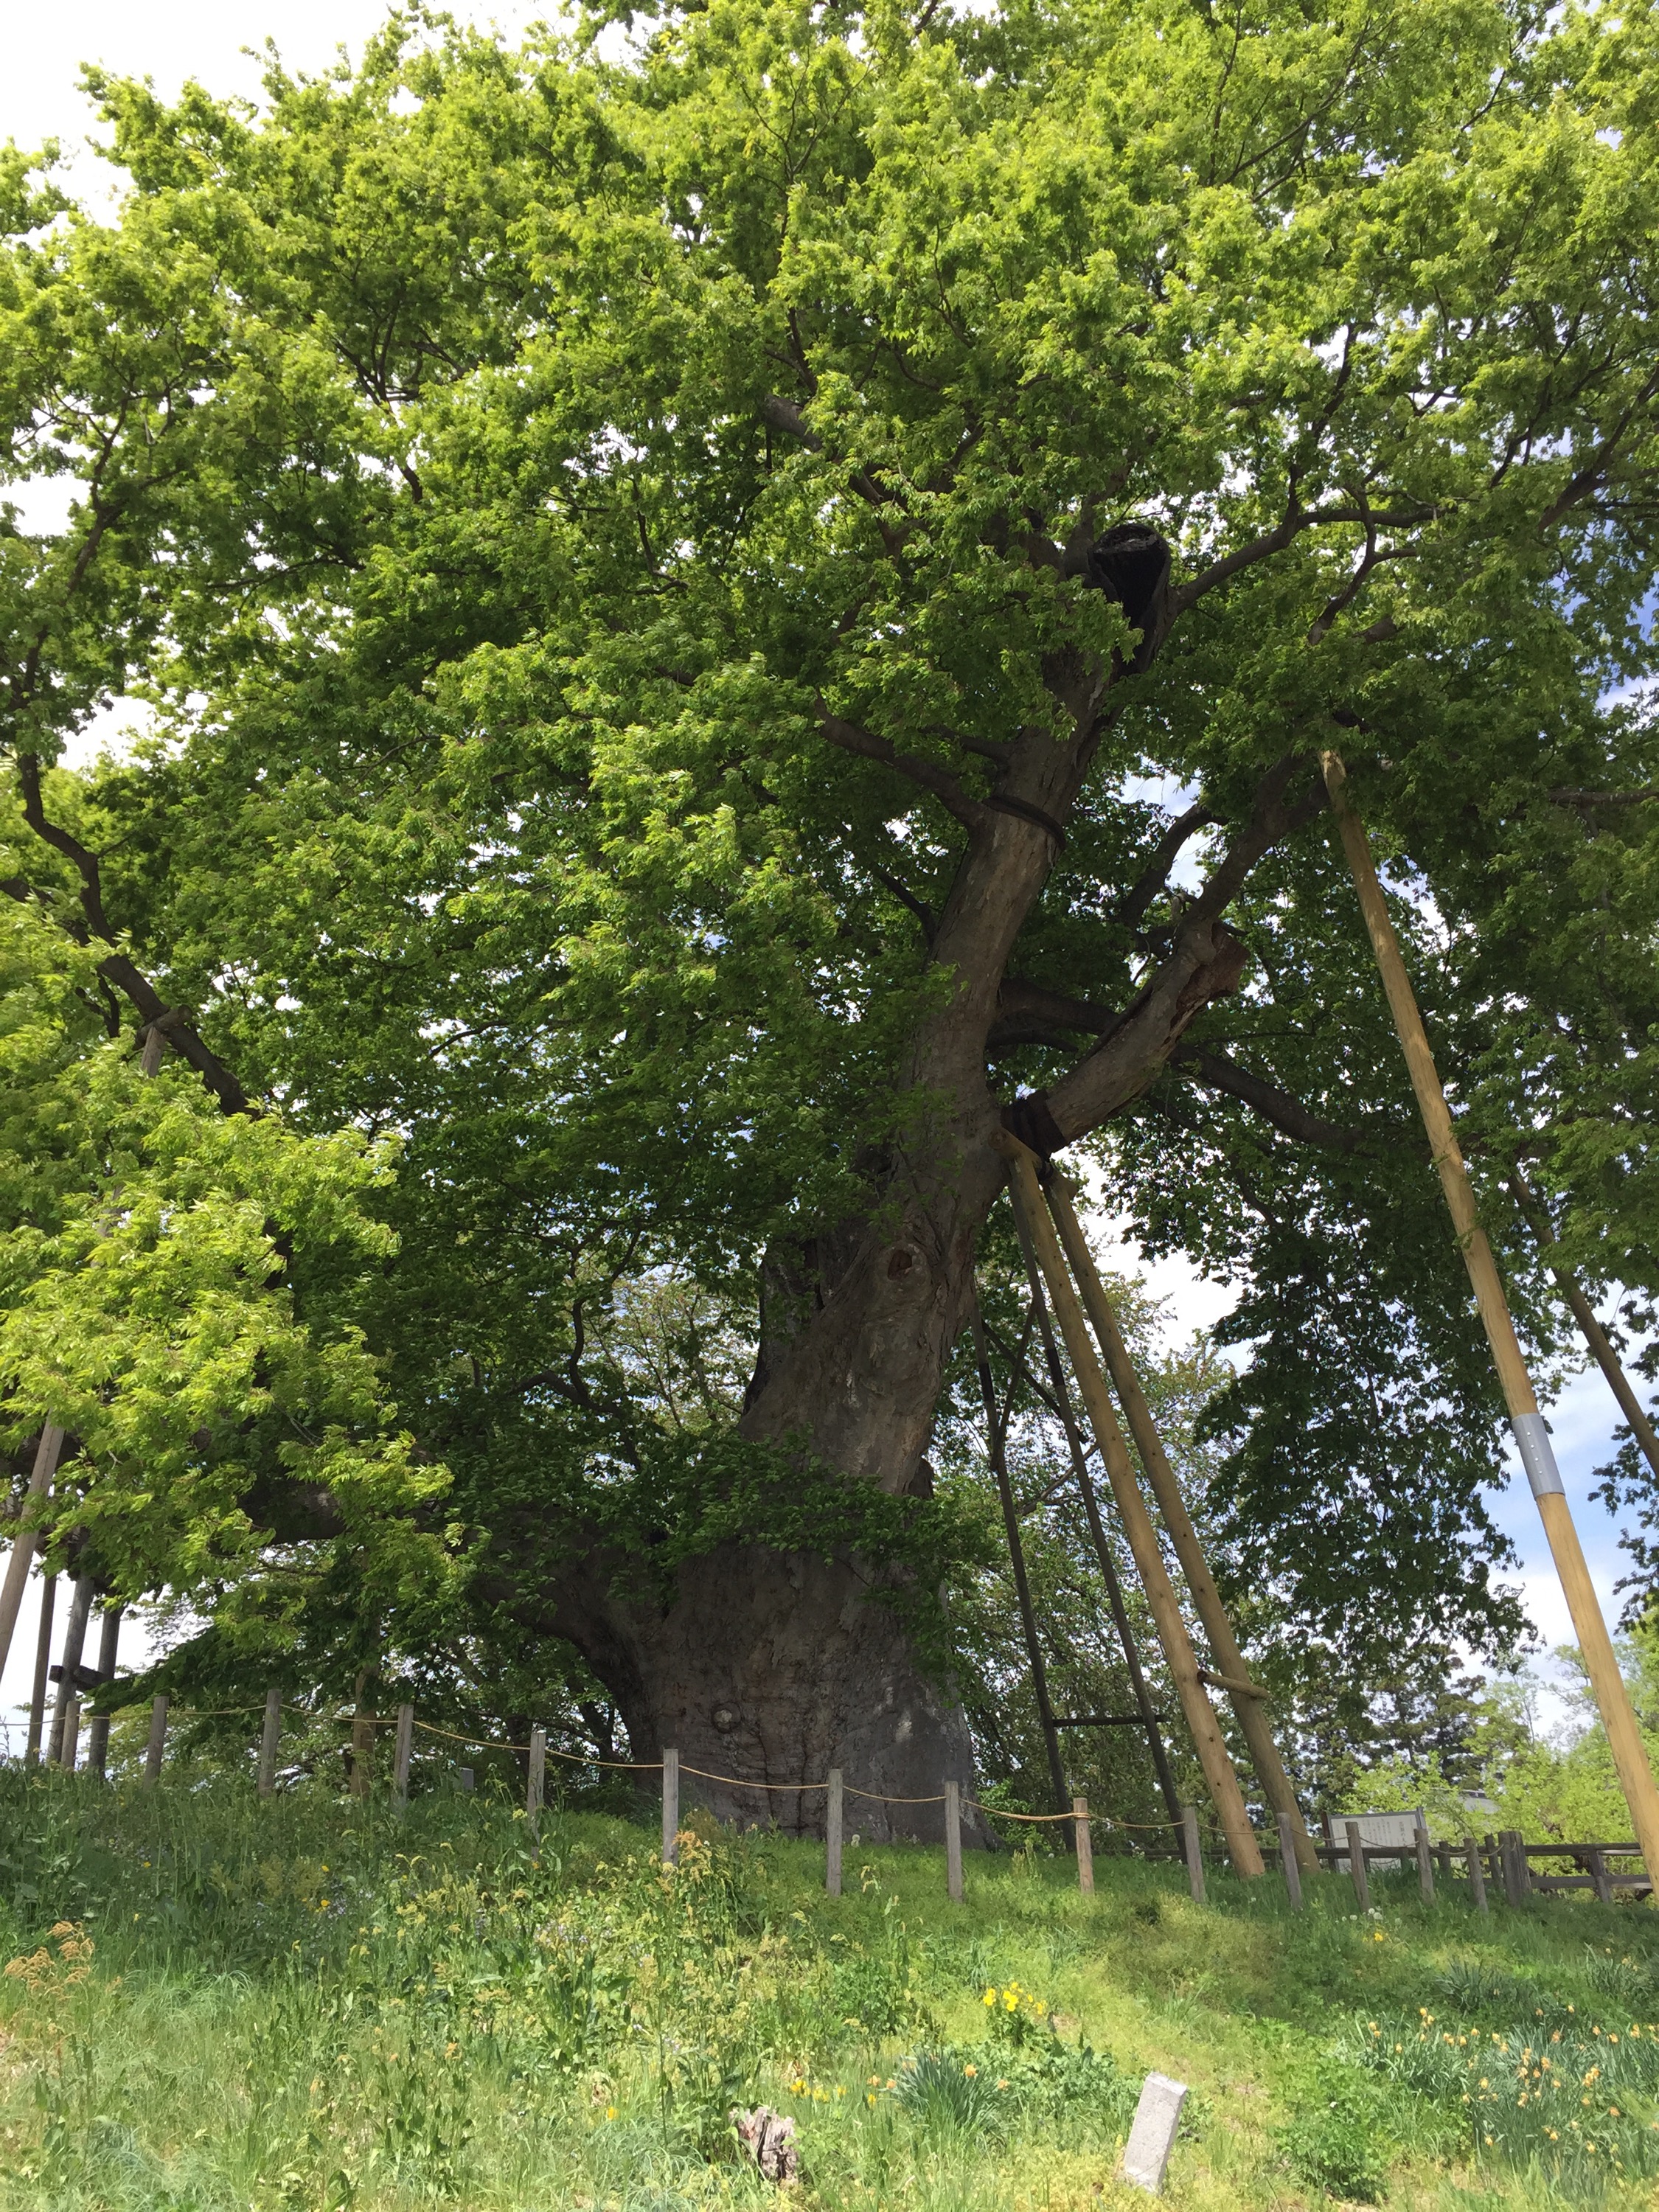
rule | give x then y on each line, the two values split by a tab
363	1738
1491	1858
158	1736
401	1756
953	1841
1193	1849
1598	1867
270	1735
1515	1878
671	1807
1477	1875
1085	1846
1293	1871
71	1732
1362	1888
832	1820
1425	1863
42	1662
536	1791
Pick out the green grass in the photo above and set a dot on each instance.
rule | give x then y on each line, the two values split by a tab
305	2004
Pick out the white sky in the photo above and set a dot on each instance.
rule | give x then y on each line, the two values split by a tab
44	48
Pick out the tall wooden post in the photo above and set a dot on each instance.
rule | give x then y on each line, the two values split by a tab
1362	1888
1477	1873
98	1734
1193	1849
1132	1512
1085	1846
1532	1213
363	1738
1425	1863
1247	1699
42	1663
1287	1859
71	1733
1108	1575
157	1744
403	1751
1531	1432
953	1841
74	1641
832	1832
671	1807
270	1737
24	1543
996	1431
535	1786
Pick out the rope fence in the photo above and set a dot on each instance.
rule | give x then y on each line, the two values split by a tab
1505	1858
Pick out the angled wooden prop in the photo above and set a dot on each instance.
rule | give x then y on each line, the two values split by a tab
1531	1434
1207	1739
23	1544
1229	1659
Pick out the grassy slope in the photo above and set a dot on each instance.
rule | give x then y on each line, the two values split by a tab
300	2004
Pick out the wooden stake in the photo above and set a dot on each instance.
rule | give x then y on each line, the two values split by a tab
42	1663
71	1734
832	1822
270	1738
1531	1433
1247	1699
1293	1871
68	1666
158	1736
1477	1874
1425	1863
536	1789
671	1807
98	1734
1085	1846
1193	1846
996	1437
24	1543
953	1841
1362	1888
402	1754
1132	1512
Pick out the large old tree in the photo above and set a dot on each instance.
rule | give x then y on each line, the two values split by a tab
728	607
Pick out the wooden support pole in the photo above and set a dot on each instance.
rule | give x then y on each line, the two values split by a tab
1192	1849
68	1666
109	1640
1362	1888
1516	1879
402	1753
157	1744
832	1830
270	1737
536	1787
24	1543
1598	1871
671	1807
1531	1432
72	1735
1477	1874
1060	1397
1425	1863
953	1841
1287	1859
1247	1697
42	1662
1132	1512
1589	1327
996	1427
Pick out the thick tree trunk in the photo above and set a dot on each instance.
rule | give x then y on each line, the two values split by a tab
771	1668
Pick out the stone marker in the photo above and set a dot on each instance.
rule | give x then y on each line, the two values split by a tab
1157	2118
